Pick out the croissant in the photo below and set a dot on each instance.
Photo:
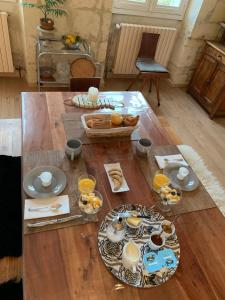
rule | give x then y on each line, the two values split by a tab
130	120
99	123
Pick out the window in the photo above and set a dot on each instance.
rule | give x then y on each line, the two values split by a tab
173	3
170	9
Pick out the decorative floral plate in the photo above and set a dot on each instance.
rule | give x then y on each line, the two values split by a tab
103	102
111	253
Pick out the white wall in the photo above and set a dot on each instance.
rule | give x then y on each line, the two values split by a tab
15	30
118	18
89	18
201	23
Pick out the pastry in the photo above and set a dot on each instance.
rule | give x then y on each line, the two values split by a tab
130	120
133	221
117	177
111	173
99	123
115	169
117	184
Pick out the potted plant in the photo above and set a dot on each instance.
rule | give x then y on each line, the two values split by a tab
48	7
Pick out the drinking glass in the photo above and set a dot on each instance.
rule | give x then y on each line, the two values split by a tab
89	204
86	183
159	180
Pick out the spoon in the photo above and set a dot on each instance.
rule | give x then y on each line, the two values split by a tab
172	160
52	207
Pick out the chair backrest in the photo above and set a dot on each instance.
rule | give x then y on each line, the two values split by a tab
148	46
83	84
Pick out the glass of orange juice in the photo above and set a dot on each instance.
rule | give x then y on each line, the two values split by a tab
86	183
159	180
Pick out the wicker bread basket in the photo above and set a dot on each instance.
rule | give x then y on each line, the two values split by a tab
111	132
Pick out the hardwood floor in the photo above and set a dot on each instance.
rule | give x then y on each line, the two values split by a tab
10	89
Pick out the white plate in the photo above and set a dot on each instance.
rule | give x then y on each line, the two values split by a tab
33	187
124	187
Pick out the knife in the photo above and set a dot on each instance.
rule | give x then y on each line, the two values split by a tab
54	221
128	214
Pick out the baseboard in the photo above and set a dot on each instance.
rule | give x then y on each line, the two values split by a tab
31	84
12	74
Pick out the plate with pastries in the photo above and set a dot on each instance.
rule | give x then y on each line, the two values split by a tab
116	178
109	124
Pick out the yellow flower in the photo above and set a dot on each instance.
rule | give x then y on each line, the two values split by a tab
70	39
67	41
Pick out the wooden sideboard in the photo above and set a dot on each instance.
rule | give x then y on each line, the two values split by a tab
207	85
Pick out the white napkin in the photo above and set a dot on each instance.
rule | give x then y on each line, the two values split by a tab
34	203
176	158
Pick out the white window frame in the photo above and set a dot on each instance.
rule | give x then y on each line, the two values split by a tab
149	9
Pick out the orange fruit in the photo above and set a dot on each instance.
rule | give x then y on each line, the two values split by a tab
116	119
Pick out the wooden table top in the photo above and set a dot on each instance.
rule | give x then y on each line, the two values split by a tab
65	263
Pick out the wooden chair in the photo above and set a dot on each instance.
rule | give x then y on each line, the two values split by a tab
82	84
149	70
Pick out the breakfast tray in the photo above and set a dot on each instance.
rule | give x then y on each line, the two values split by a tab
111	253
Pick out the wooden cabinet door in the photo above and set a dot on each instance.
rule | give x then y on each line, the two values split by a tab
203	74
216	85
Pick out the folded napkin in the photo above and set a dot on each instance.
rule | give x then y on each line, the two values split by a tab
162	160
47	204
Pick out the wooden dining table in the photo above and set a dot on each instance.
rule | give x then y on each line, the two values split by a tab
65	263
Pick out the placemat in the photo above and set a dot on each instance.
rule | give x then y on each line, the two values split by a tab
72	169
111	253
74	130
191	201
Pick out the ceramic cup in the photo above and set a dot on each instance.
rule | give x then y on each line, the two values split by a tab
143	147
151	242
171	225
46	178
182	173
131	255
73	148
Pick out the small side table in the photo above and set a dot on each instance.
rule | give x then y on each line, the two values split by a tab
54	47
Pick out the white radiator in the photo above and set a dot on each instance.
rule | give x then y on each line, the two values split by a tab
6	62
129	44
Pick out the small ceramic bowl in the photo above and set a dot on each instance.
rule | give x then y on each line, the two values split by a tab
153	245
171	225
